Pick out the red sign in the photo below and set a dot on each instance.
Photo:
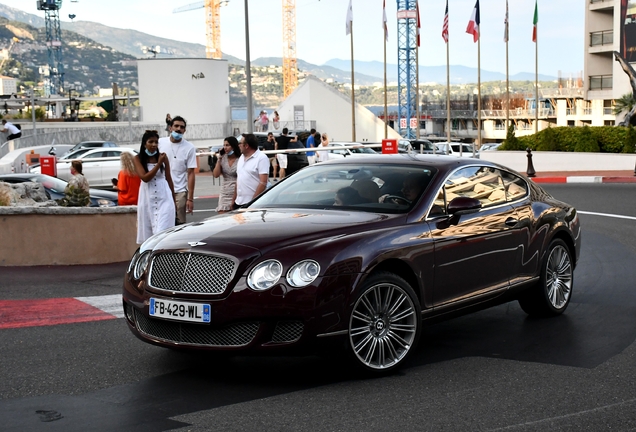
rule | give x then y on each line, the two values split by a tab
48	165
389	146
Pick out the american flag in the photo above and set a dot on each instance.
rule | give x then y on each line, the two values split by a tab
445	25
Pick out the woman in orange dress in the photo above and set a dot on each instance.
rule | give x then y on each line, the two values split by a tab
128	181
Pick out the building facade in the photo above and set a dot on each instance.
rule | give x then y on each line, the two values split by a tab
8	85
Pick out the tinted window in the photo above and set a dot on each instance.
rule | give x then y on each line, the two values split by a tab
516	187
482	183
99	154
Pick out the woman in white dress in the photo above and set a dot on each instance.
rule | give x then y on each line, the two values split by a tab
322	152
155	207
226	166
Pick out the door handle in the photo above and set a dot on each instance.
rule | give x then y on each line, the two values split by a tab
511	222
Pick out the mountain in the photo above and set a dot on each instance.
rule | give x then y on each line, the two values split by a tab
437	74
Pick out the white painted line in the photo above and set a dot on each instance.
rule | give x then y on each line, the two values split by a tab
111	304
584	179
608	215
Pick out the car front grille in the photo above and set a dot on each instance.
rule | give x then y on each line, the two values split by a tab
287	331
191	273
235	335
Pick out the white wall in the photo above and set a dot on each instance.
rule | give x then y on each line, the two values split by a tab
332	112
195	89
544	161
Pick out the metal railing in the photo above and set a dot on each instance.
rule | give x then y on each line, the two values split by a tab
602	38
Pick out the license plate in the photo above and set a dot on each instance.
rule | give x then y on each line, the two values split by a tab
180	311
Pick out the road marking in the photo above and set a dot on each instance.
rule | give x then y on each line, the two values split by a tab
608	215
48	312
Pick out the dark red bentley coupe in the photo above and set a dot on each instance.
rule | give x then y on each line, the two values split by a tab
360	251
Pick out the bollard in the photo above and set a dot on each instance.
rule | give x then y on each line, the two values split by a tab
530	172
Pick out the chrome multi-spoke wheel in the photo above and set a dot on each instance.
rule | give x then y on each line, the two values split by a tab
559	277
385	323
552	294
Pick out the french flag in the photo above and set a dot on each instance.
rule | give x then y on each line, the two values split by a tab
473	24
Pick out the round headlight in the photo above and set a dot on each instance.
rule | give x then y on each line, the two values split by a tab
265	275
303	273
141	265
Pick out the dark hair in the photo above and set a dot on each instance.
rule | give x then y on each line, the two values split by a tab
317	137
179	118
285	131
77	166
143	157
312	131
251	140
349	196
233	142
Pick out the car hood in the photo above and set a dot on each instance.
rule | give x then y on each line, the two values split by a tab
267	229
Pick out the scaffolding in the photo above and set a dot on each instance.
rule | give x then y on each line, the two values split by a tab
407	68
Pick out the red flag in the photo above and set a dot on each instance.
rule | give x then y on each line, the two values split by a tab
384	25
445	25
417	8
473	24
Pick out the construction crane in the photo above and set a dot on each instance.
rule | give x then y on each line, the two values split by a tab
55	80
212	24
290	65
407	67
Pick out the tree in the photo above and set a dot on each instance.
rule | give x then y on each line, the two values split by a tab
624	103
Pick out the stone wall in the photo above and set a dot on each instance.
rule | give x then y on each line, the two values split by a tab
31	236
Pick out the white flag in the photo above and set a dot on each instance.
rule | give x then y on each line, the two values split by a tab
384	25
349	18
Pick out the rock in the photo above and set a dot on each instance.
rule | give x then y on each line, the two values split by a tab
24	194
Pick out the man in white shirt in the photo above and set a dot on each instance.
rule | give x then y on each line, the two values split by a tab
252	170
183	161
11	129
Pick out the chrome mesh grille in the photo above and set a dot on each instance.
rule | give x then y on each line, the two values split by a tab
287	331
236	335
191	273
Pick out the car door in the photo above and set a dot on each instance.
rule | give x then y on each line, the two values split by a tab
474	253
92	167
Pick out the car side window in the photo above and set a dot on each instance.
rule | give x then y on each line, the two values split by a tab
482	183
516	187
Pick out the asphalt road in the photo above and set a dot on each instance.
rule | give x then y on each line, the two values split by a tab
492	370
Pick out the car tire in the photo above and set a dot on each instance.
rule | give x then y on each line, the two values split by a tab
552	294
384	324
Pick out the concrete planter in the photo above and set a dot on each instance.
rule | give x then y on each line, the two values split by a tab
562	161
67	235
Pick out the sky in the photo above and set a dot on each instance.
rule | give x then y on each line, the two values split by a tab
320	33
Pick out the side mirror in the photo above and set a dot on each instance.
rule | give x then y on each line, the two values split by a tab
52	151
463	205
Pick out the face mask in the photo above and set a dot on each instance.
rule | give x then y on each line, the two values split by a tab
150	154
231	153
177	136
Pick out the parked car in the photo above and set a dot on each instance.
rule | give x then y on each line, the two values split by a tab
295	160
99	166
292	270
92	144
490	147
54	188
423	146
455	149
353	149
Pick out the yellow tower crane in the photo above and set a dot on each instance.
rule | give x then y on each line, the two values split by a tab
212	24
290	66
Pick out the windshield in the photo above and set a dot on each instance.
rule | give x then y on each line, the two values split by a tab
369	188
362	150
75	153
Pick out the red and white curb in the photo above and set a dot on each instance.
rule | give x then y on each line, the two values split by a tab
584	179
48	312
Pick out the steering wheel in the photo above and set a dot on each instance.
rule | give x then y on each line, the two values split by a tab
397	200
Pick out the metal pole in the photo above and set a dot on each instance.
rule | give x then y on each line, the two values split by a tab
130	134
507	74
448	95
353	93
536	82
386	114
248	73
417	90
478	97
35	131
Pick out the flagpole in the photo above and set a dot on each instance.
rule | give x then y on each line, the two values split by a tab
478	93
417	90
353	94
448	104
386	114
507	73
536	81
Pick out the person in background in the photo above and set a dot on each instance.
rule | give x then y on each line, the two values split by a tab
252	171
282	143
13	131
226	166
156	203
183	161
276	120
323	153
264	121
270	144
127	182
311	156
77	191
168	124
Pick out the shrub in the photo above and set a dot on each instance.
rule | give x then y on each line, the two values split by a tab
511	142
586	141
